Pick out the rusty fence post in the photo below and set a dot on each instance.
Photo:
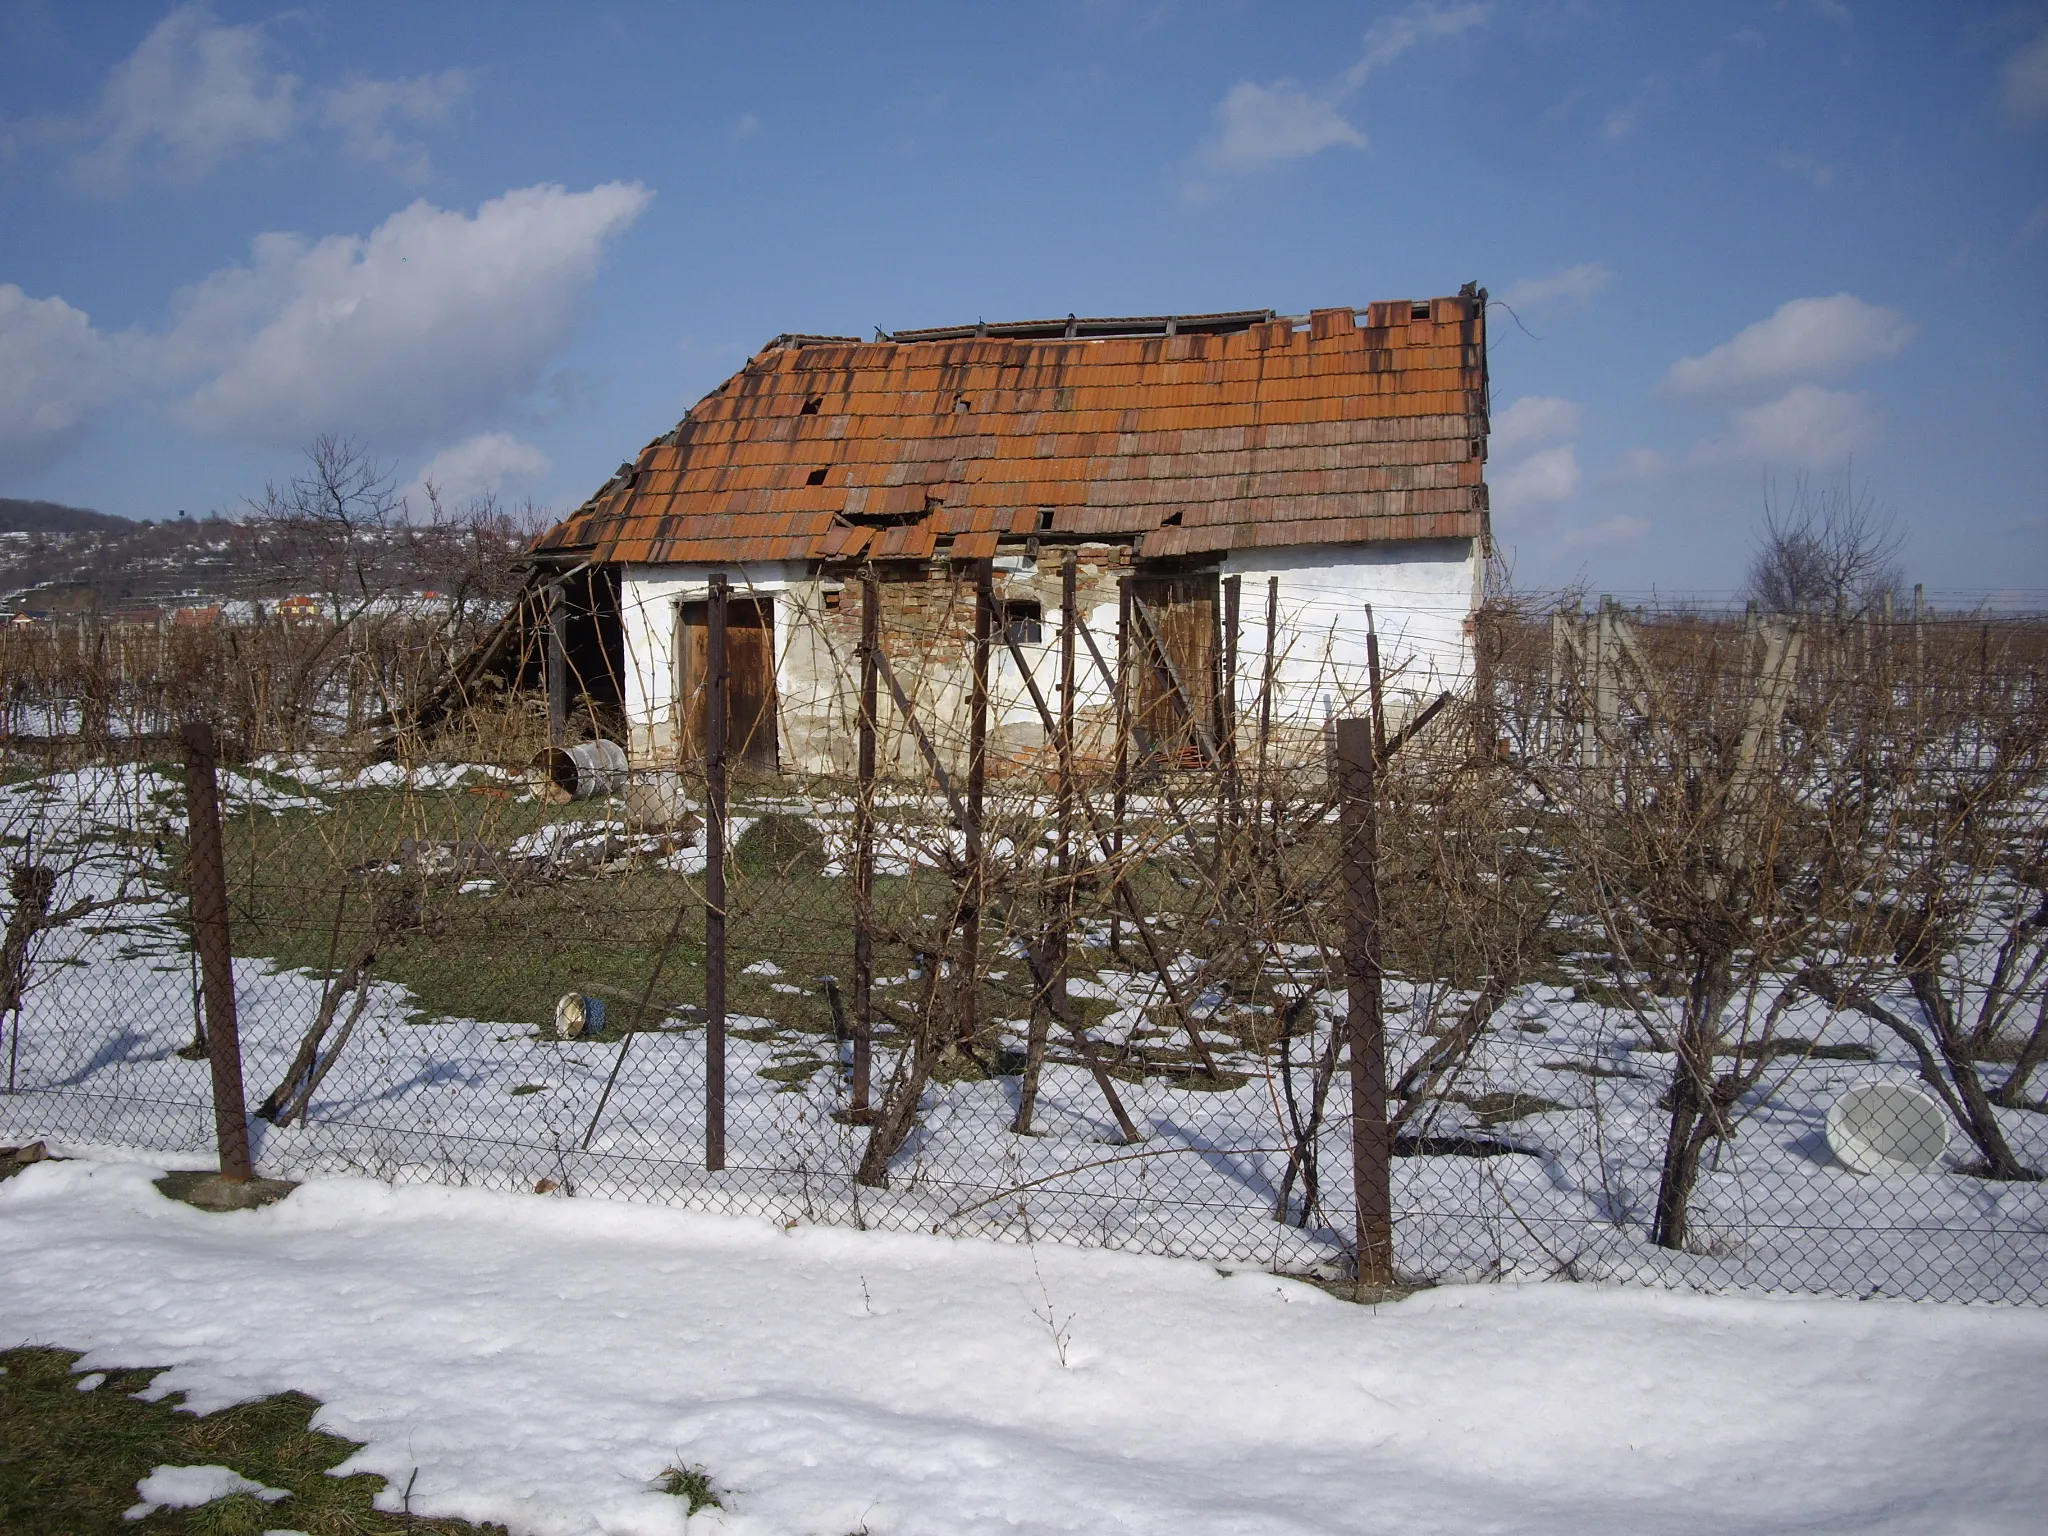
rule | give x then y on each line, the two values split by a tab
864	845
1120	783
716	703
1371	1144
1226	732
209	896
969	992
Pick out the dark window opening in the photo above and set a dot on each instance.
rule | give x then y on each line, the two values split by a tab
1023	621
832	602
962	403
1045	519
1418	311
816	477
811	406
1171	520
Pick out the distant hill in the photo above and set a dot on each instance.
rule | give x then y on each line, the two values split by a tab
17	516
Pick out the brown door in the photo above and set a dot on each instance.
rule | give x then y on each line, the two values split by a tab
750	670
1176	676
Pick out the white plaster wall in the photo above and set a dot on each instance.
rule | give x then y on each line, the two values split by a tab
648	598
1422	595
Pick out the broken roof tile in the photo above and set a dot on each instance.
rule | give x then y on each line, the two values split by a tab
1358	426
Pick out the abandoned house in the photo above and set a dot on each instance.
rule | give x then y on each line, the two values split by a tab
1334	465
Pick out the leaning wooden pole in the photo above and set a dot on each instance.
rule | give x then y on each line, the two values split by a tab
717	696
1371	1141
1265	789
209	894
556	664
864	844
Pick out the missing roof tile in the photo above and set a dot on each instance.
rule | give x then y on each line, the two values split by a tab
962	403
815	477
811	405
1045	519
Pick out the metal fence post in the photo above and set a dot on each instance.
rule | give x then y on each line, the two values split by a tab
209	896
1121	780
864	845
977	785
716	702
1371	1144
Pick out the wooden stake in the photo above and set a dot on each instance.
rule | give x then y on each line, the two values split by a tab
1371	1141
209	888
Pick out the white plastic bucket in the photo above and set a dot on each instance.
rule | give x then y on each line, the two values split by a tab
1888	1128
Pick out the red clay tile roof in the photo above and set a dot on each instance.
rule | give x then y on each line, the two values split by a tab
1271	433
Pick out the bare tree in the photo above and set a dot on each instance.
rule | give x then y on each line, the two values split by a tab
338	509
1832	547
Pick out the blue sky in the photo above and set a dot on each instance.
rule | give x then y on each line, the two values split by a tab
505	245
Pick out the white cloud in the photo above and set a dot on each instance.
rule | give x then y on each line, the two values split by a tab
363	112
1807	167
2024	80
192	93
1551	474
1636	464
1393	36
1628	117
1807	427
1623	528
1805	339
1832	10
56	370
488	464
1531	420
1261	125
196	93
1576	284
2036	222
747	126
418	330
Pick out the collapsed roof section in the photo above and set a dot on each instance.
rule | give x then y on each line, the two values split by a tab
1185	436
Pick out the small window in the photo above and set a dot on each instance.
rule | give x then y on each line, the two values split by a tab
811	406
815	477
1419	311
1024	622
1045	519
832	601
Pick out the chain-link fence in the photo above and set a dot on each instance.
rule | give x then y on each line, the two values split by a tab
1668	959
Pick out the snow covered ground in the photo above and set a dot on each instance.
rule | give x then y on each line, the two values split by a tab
540	1362
492	1103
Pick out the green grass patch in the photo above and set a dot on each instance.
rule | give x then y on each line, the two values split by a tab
70	1460
692	1483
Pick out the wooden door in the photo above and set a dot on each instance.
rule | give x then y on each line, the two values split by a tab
1177	675
750	670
